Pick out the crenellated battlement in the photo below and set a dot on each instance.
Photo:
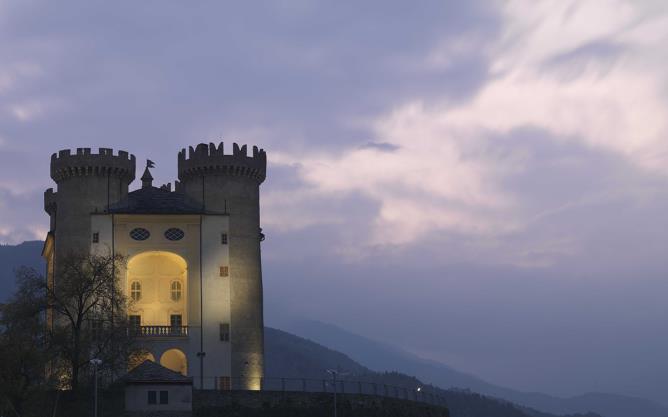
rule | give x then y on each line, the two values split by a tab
66	164
210	159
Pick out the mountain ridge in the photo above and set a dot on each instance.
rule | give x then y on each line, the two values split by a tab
377	356
297	357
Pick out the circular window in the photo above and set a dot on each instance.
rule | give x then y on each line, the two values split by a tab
174	234
140	233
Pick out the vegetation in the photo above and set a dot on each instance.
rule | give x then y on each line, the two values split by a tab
89	309
86	319
22	345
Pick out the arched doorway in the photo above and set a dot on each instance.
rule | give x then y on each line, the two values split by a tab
157	288
175	360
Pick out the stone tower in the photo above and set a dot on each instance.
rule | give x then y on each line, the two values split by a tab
87	183
229	184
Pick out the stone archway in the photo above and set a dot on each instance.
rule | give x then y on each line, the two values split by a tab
175	360
157	288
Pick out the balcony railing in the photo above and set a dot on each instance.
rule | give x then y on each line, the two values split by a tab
159	331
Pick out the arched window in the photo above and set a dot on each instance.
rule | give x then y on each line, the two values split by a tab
176	290
135	290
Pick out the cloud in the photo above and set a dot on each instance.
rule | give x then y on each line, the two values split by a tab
613	105
18	212
571	72
380	146
449	143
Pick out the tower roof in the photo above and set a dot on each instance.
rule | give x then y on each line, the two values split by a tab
153	200
146	179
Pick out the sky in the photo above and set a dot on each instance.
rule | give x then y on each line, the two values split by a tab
484	183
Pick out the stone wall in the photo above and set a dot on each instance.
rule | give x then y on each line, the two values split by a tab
239	404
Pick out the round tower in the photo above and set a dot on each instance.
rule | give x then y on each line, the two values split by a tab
87	183
230	184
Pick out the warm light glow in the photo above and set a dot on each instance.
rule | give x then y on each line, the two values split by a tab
175	360
254	384
176	290
157	284
135	291
136	360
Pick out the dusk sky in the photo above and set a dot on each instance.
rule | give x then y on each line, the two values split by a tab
480	183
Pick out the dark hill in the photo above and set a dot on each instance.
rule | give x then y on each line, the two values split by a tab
379	357
11	257
288	355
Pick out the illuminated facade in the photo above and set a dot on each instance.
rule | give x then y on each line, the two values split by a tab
193	274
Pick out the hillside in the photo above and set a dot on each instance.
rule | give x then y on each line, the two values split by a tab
359	355
293	356
13	256
378	356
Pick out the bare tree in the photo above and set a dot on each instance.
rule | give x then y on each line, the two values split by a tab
89	309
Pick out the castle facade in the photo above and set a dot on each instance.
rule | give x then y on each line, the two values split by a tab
193	268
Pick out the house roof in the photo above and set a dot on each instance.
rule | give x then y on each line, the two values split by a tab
149	372
153	200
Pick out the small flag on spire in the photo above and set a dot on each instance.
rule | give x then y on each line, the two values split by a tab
150	164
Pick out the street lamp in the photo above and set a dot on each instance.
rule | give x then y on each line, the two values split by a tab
334	373
95	362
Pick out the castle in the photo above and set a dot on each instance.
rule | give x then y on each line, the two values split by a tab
193	266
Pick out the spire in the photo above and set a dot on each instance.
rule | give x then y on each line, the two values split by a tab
147	178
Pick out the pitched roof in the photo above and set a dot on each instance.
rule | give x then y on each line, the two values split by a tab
149	372
153	200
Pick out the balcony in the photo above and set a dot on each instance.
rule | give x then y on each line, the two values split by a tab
159	331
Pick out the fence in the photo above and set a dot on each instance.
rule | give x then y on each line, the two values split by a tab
425	394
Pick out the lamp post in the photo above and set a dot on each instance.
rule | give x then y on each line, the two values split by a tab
95	362
334	373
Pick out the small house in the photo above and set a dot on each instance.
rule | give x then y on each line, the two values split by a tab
152	387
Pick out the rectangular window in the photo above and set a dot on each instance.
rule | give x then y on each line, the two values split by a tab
225	383
164	397
96	237
152	397
223	238
224	332
224	271
175	320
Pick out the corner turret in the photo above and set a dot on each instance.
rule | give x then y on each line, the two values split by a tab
87	183
210	159
65	164
229	185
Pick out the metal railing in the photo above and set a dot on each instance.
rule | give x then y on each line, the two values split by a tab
159	331
419	393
